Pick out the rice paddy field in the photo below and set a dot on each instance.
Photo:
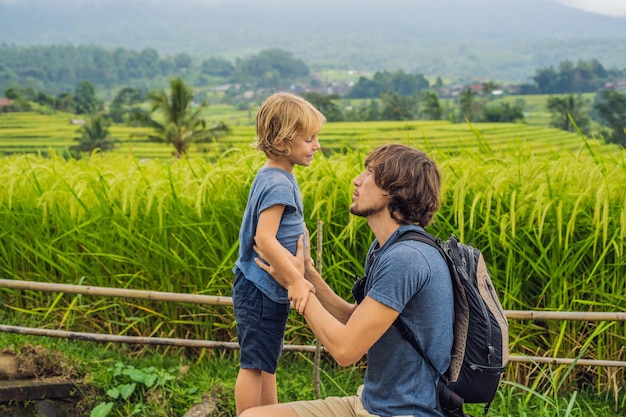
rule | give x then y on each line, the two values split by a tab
34	133
548	209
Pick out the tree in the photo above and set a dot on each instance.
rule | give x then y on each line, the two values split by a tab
66	102
86	101
126	104
469	107
94	135
179	124
564	109
325	104
217	67
397	107
13	93
387	82
182	61
610	106
503	112
367	110
430	108
271	68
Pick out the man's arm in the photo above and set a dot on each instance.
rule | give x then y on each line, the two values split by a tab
346	330
347	343
334	304
302	261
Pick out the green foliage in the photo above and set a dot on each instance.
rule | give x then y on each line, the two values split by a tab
59	68
565	109
327	104
397	107
273	68
610	107
585	76
503	113
131	388
94	135
386	82
430	106
217	67
126	105
86	101
470	106
182	124
195	376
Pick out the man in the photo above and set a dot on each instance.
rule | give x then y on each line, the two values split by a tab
399	190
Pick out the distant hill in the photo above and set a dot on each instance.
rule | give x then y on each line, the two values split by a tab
496	39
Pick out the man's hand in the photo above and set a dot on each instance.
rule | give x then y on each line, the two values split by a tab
298	292
298	261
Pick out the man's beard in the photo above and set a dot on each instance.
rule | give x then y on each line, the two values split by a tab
365	212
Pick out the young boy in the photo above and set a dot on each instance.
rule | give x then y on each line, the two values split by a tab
287	127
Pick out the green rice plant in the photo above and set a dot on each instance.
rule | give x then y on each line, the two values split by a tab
552	226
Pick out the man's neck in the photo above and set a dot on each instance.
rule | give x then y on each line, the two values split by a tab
382	226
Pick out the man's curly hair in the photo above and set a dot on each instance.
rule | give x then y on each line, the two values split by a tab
410	178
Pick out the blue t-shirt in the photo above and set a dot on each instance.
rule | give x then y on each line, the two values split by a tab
412	278
271	186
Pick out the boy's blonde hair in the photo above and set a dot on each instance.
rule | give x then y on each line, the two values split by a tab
282	117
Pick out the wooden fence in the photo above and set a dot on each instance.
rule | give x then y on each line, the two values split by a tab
227	301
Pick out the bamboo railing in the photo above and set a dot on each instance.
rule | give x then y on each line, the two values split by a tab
227	301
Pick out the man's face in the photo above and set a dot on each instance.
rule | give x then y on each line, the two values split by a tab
368	198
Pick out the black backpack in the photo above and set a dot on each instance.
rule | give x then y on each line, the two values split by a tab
480	350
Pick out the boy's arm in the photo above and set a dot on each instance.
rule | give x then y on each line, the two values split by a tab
273	251
275	254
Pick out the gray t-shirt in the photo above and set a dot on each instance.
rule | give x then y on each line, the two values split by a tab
412	278
271	186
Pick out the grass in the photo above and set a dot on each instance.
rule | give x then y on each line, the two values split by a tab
169	381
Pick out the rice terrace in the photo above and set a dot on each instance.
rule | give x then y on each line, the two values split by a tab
547	207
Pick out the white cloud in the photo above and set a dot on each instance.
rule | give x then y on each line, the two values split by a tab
615	8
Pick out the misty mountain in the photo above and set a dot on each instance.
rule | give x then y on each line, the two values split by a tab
505	39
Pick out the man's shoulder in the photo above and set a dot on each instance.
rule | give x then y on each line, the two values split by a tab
405	245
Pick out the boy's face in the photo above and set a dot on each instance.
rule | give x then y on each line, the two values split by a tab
303	149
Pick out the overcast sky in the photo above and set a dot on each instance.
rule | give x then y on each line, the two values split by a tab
615	8
606	7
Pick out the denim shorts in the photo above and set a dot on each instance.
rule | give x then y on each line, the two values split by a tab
261	326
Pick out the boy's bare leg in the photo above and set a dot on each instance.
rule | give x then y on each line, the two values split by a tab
269	394
254	388
247	389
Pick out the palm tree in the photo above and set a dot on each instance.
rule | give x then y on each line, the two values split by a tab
94	134
179	124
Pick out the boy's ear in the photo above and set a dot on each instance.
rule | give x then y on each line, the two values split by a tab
280	147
